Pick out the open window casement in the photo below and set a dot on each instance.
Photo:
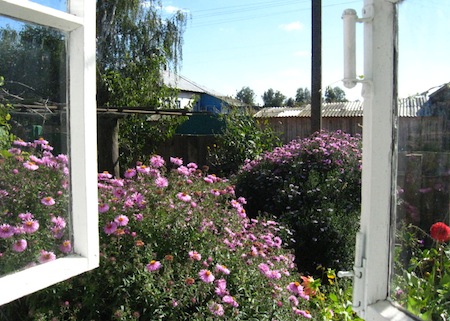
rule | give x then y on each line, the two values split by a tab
398	170
75	24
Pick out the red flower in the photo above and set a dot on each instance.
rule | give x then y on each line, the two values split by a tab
440	232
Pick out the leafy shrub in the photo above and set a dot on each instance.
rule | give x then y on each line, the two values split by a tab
313	185
243	138
176	246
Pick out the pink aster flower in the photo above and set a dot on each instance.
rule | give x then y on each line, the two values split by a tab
206	276
176	161
194	255
161	182
25	216
19	245
6	231
143	169
293	299
215	192
66	246
30	165
103	207
46	256
48	201
110	228
157	161
228	299
192	165
129	173
184	197
183	170
121	220
104	175
30	226
216	309
303	313
222	268
153	266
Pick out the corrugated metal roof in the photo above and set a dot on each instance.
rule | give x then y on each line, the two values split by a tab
184	84
407	107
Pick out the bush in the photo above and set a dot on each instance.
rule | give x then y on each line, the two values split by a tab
176	246
243	138
313	185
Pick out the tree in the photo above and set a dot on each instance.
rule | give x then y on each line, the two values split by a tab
273	98
290	102
246	95
134	45
335	94
303	96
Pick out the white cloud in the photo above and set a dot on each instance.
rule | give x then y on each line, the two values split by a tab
296	25
173	9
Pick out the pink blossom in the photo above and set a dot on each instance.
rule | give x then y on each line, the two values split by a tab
228	299
222	268
6	231
104	175
192	165
103	207
157	161
183	170
20	245
215	192
130	173
194	255
48	201
30	226
221	287
143	169
46	256
293	299
30	165
216	309
161	182
206	276
176	161
25	216
65	247
184	197
110	228
121	220
303	313
153	266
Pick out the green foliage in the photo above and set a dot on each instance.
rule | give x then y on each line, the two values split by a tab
273	98
313	185
334	94
33	64
246	95
421	282
302	96
134	44
243	138
6	137
139	138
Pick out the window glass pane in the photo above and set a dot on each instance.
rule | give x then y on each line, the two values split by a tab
421	258
55	4
34	175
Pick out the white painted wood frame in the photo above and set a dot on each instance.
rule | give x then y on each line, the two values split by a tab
79	23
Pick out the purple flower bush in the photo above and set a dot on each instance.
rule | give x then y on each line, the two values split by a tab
312	185
34	206
178	245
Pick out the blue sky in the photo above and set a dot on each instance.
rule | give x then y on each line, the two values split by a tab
262	44
267	44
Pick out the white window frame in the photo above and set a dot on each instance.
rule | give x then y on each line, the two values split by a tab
373	246
79	23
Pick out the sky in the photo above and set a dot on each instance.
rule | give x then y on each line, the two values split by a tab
262	44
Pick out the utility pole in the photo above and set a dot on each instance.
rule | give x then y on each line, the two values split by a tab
316	67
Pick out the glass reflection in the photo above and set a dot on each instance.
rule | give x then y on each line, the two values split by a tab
421	260
34	175
55	4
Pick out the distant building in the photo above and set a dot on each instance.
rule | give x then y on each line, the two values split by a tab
197	97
